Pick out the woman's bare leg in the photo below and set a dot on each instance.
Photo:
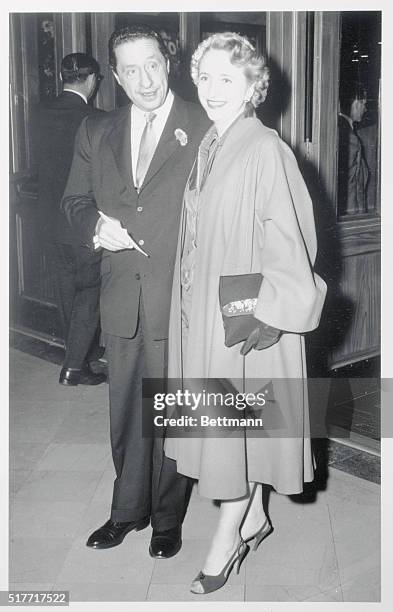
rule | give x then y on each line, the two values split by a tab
255	516
226	537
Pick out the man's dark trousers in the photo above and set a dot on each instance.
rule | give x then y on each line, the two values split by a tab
147	482
77	287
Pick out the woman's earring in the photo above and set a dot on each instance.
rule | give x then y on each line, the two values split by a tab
249	94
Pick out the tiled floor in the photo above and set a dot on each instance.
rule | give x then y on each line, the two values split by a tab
324	547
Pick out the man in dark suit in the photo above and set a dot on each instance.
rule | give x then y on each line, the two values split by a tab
132	165
353	173
77	268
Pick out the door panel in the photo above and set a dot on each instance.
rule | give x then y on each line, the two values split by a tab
38	41
32	300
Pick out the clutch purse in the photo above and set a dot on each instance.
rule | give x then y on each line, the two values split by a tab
238	295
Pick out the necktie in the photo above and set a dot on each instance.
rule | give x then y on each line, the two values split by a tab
146	150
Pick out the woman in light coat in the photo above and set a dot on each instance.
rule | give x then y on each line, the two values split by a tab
246	209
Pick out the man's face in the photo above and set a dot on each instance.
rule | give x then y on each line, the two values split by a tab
142	71
358	109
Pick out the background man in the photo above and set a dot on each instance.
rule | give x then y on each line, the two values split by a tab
353	173
77	268
132	164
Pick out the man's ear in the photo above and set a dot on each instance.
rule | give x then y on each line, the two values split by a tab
116	77
91	84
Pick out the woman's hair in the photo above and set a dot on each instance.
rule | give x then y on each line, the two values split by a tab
242	54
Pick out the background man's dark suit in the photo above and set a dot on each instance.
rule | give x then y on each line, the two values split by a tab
136	290
77	268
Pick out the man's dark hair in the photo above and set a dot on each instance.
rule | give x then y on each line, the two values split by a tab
132	33
76	67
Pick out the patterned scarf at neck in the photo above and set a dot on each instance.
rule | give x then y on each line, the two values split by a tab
210	145
206	155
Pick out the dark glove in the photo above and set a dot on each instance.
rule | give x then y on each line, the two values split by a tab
261	337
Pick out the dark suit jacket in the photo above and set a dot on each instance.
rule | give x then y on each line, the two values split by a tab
55	124
101	176
352	170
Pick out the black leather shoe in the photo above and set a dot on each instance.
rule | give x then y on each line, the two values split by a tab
165	544
112	533
73	377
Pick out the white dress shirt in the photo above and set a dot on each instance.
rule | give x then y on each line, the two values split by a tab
138	122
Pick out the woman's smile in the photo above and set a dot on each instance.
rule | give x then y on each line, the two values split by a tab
215	103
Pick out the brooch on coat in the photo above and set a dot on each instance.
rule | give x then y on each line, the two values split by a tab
181	136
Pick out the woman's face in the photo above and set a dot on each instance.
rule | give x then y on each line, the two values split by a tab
222	87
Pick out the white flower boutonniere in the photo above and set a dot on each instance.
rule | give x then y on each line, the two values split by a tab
181	136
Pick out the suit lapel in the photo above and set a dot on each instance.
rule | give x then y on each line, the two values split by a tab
120	142
168	144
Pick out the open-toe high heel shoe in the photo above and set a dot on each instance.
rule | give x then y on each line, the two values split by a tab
205	583
261	534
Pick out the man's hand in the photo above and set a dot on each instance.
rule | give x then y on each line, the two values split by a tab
111	235
261	337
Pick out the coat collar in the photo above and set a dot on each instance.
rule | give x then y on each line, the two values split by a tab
120	141
66	100
76	93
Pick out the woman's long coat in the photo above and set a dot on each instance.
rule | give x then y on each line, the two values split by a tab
255	215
